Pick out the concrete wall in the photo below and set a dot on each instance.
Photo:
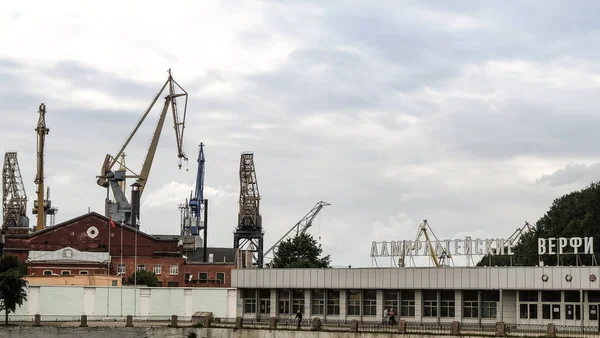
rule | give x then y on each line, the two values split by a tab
477	278
104	332
117	301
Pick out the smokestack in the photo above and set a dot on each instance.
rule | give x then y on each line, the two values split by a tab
135	204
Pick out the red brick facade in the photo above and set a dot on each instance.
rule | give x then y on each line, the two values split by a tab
211	270
62	268
90	232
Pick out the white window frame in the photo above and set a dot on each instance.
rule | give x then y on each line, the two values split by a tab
44	273
141	267
224	277
83	272
174	269
157	269
121	268
68	272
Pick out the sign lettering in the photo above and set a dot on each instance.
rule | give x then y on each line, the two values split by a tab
562	246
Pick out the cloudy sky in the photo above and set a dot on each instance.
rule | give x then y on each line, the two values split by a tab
473	115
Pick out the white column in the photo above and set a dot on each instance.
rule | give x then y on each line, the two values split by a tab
273	303
307	299
343	304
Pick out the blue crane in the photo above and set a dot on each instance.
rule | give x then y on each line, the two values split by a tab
198	198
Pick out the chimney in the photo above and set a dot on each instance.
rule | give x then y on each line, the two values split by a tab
135	204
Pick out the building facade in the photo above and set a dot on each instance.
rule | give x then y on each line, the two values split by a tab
517	295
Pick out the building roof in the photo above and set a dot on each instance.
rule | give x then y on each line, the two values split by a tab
219	255
68	254
169	238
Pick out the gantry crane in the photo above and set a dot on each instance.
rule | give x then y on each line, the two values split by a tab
46	205
14	198
248	235
300	227
197	200
444	258
109	178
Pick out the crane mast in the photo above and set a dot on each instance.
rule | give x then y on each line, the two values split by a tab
39	207
14	198
248	235
197	200
300	227
111	178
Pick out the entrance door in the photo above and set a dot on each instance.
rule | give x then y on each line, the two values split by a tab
284	307
594	315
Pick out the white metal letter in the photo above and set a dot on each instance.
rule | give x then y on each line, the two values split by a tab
588	243
575	243
457	247
562	243
468	246
551	245
384	251
374	249
541	246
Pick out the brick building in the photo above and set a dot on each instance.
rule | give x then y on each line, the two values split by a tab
92	234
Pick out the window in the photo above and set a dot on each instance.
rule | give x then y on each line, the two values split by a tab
528	304
83	272
221	277
489	303
429	303
470	304
203	277
551	311
173	284
353	300
318	302
447	304
121	268
265	301
333	302
407	303
47	272
186	277
157	269
249	297
370	303
114	283
283	297
528	311
174	269
390	300
298	301
593	312
141	267
65	272
573	311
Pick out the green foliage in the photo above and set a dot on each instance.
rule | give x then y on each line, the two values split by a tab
144	278
301	251
576	214
13	287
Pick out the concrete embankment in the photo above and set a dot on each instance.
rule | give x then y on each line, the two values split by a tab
150	332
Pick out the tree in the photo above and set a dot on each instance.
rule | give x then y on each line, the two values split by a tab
144	278
301	251
576	214
13	287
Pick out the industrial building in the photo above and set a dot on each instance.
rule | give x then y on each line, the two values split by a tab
515	295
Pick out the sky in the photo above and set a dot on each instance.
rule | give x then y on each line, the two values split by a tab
472	115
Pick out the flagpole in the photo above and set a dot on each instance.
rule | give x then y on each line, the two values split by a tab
122	274
108	268
135	263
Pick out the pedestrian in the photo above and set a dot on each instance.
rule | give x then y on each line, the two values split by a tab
385	316
299	317
392	317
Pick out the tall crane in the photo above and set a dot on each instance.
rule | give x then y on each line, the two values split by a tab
109	178
248	235
197	200
41	206
300	227
14	198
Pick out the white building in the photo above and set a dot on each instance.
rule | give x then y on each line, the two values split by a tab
515	295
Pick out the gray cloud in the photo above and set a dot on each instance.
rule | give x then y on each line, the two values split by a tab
392	113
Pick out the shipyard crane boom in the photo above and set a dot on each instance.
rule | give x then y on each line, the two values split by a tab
300	227
14	198
248	235
198	199
39	205
110	178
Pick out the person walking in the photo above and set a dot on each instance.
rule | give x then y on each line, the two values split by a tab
392	317
385	316
299	318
